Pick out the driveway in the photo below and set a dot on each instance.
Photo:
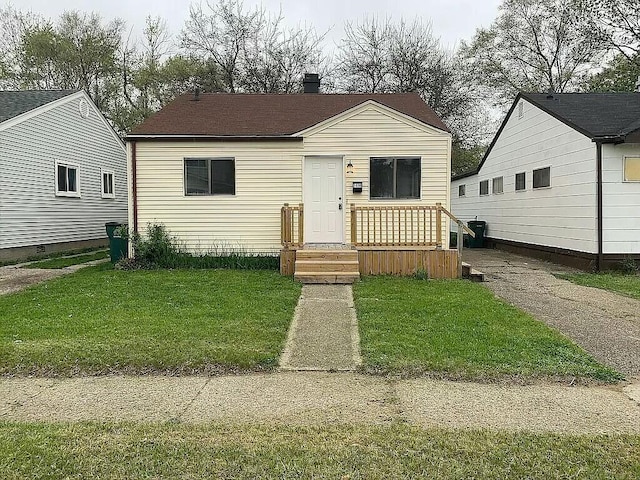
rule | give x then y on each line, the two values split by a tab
605	324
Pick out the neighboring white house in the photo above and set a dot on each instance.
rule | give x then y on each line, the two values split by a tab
216	169
561	179
62	173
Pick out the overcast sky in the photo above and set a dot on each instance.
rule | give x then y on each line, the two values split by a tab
452	20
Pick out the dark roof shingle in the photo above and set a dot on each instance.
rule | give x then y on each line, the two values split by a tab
14	103
595	115
269	115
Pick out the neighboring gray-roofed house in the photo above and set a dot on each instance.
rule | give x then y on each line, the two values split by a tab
62	172
561	179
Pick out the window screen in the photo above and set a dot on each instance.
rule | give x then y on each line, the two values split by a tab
66	179
521	180
542	177
497	185
484	187
395	177
209	176
632	169
462	190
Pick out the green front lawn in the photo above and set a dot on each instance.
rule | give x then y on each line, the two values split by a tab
63	262
101	320
628	285
124	451
459	329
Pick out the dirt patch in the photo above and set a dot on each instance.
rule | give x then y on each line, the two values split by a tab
13	279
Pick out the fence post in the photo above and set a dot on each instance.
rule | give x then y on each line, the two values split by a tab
301	225
460	243
354	225
287	224
439	225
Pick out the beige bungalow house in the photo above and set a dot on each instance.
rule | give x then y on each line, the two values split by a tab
337	184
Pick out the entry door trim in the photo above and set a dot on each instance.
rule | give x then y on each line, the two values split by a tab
307	195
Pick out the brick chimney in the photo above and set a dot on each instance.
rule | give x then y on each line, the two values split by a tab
311	83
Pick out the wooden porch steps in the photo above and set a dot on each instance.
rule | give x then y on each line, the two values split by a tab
327	266
471	273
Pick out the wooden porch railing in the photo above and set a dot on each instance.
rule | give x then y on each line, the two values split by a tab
292	226
396	226
393	227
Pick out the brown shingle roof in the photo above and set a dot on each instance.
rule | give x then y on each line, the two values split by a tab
224	114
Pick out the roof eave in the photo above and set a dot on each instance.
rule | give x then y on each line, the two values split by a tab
211	138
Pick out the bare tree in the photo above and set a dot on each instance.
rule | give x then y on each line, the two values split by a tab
363	56
252	49
533	45
616	22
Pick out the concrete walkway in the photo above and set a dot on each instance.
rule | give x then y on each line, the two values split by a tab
323	335
605	324
317	398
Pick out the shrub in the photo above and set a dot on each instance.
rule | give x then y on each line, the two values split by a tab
629	266
159	249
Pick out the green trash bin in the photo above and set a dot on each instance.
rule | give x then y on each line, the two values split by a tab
478	227
118	244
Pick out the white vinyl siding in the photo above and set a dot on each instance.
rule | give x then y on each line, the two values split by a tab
620	201
562	216
269	174
30	211
377	132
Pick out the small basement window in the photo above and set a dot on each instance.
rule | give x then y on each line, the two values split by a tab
542	177
521	181
484	187
395	177
209	176
498	185
108	190
632	169
67	180
462	190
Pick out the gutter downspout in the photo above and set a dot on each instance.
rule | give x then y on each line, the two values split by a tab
134	187
600	262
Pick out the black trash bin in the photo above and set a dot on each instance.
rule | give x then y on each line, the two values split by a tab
478	227
118	243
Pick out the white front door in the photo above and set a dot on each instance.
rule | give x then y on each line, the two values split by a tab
323	200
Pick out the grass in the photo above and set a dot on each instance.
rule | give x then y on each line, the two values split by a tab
62	262
123	451
47	255
458	329
99	320
628	285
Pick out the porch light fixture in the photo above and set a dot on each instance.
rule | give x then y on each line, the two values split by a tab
349	167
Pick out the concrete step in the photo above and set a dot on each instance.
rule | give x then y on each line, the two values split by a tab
330	255
331	266
471	273
325	277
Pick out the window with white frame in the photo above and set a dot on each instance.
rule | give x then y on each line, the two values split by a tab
632	169
542	177
209	176
498	185
67	180
108	187
484	187
521	181
394	177
462	190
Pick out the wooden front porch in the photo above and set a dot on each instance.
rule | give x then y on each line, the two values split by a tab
384	240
